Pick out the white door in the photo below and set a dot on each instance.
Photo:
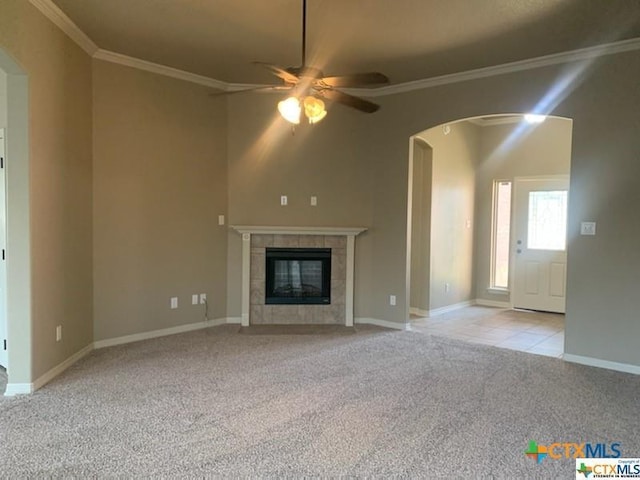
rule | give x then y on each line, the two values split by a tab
3	267
540	264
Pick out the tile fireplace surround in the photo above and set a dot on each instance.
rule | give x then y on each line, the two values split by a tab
255	240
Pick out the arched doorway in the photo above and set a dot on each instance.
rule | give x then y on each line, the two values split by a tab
472	160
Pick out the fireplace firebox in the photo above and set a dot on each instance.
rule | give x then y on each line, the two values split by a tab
298	276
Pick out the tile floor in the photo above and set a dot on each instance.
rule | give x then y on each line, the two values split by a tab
532	332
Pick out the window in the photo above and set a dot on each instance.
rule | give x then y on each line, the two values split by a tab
547	228
501	228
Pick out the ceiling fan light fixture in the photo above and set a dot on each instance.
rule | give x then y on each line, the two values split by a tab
290	110
314	109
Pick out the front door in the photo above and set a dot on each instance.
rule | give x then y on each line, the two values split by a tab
540	264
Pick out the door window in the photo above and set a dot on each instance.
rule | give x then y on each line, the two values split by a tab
547	223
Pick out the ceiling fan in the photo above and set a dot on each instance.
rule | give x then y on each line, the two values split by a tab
309	86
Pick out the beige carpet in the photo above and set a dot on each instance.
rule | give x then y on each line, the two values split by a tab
371	403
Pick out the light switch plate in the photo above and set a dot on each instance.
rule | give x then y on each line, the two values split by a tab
220	219
588	228
314	201
283	200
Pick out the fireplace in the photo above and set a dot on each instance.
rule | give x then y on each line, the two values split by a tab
340	241
298	276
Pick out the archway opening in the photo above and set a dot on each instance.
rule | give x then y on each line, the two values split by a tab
472	249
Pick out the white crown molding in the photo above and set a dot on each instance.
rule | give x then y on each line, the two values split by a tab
57	16
529	64
133	62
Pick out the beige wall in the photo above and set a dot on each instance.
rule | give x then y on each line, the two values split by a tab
161	158
506	152
600	97
59	180
452	213
329	160
160	182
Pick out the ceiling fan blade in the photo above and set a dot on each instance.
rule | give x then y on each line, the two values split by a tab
279	72
350	101
357	80
271	88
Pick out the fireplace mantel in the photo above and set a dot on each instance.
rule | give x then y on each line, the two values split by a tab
268	230
246	231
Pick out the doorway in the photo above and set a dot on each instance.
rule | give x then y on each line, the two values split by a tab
540	256
14	119
3	246
472	261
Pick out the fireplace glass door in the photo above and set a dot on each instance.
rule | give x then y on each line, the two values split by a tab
298	276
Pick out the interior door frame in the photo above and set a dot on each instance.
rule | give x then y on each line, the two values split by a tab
514	218
18	256
4	356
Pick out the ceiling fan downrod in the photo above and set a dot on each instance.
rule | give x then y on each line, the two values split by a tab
304	33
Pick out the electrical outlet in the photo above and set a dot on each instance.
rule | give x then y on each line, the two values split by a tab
174	302
392	300
203	298
194	299
314	201
58	333
284	200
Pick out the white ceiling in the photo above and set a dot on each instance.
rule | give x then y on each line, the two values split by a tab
405	39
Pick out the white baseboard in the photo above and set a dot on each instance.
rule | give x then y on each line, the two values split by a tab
450	308
137	337
57	370
596	362
233	320
419	312
492	303
382	323
26	388
18	389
